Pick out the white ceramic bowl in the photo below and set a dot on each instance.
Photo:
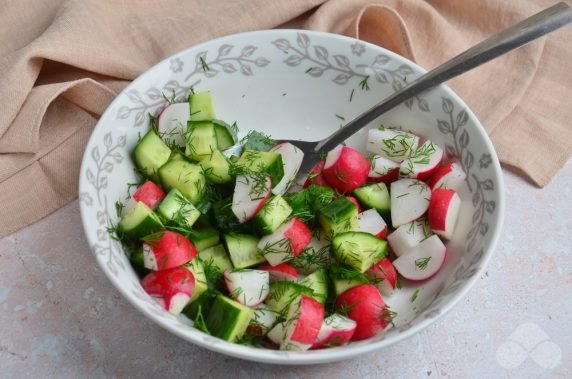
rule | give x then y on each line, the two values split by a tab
298	84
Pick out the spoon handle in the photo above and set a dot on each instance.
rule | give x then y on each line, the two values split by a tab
509	39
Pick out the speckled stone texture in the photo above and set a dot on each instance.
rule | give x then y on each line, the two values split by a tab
60	317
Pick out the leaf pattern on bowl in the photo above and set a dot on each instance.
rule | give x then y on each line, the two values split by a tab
106	151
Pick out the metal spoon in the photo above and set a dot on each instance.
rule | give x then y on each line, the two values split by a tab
511	38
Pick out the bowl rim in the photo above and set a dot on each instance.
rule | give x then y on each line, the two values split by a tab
313	356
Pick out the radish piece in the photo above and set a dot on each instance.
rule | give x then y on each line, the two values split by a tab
250	194
303	323
148	193
316	176
443	212
336	330
370	221
276	334
409	200
175	286
262	321
392	144
354	200
280	273
423	163
450	175
408	236
383	170
173	122
166	250
422	261
345	169
248	287
364	305
287	242
292	160
385	276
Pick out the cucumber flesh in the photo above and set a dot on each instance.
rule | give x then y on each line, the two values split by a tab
227	319
217	258
318	283
201	140
243	250
283	293
262	161
358	250
201	105
177	208
216	167
339	216
225	134
186	177
204	238
375	196
272	215
150	154
201	285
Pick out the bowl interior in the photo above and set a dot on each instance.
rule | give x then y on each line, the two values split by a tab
298	85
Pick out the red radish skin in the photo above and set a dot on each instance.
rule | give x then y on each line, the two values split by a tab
424	162
345	169
336	330
168	250
364	305
443	212
286	243
450	176
283	271
303	323
149	194
316	176
249	197
354	200
385	275
173	285
299	236
383	170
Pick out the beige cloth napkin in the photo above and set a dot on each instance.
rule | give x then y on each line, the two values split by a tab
62	63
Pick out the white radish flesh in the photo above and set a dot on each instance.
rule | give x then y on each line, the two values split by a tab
392	144
248	287
382	167
173	122
408	235
292	160
422	261
450	176
336	330
424	162
263	318
370	221
177	302
409	200
249	197
276	334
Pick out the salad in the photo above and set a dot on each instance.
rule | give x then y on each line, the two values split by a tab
254	256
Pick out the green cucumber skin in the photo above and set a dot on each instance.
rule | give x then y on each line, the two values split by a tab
318	283
175	205
243	250
204	238
339	216
225	136
227	319
204	301
141	222
272	215
375	196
